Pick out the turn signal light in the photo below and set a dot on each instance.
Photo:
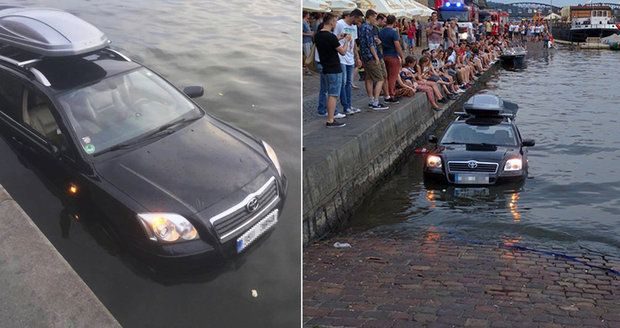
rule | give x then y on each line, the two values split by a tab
73	189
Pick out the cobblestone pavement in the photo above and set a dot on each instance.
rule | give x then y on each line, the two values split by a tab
388	280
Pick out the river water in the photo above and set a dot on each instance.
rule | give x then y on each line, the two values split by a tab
571	201
245	55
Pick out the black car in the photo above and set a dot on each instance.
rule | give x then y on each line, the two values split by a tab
482	146
171	180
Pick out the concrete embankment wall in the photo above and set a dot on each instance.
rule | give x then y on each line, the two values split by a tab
38	288
339	172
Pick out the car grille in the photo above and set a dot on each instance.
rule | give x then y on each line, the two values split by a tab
229	222
464	166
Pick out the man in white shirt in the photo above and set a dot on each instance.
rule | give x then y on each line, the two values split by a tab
348	26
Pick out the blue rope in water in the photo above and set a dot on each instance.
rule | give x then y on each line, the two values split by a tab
457	236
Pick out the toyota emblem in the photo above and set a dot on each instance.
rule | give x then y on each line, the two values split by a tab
252	204
472	164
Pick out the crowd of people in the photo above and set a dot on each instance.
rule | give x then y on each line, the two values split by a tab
382	49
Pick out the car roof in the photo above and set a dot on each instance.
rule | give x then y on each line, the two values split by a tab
484	121
69	73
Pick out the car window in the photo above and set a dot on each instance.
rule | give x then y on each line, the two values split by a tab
500	134
11	89
37	114
122	107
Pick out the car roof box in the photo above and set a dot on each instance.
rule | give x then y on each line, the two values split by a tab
489	105
49	32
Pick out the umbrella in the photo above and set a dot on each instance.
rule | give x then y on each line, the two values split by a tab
417	9
390	7
342	5
316	5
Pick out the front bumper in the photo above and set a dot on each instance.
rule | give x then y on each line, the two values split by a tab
208	247
439	175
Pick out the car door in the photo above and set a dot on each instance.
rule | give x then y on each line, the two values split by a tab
522	150
48	141
34	129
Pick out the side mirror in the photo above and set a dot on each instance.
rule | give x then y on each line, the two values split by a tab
194	91
528	143
432	139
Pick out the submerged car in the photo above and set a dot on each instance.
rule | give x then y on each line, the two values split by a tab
483	146
171	180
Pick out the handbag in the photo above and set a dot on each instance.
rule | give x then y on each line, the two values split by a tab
309	61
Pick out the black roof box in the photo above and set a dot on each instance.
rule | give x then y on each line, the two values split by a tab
49	32
488	105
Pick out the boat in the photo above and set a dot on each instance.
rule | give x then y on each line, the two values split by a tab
513	57
585	21
48	32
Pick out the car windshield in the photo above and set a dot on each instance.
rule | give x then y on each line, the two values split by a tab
123	107
461	16
497	135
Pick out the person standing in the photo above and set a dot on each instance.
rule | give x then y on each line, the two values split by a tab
434	32
412	31
392	56
372	61
307	37
329	47
348	26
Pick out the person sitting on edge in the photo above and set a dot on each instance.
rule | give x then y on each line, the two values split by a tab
408	76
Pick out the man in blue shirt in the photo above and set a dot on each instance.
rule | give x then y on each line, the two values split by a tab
372	61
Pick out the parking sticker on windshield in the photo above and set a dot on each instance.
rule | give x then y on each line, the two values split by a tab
86	140
89	148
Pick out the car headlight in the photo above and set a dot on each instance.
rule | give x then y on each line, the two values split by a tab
513	164
167	227
272	155
433	161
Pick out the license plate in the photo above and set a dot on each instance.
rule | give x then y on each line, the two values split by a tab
257	230
470	192
471	178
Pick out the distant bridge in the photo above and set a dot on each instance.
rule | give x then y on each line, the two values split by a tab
614	6
528	8
540	5
534	5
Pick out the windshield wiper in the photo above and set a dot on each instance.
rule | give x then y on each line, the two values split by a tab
163	130
484	144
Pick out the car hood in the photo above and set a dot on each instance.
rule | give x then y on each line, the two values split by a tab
189	170
473	152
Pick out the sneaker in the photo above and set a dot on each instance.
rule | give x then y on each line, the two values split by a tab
322	114
392	100
340	115
334	124
348	111
460	90
379	106
355	110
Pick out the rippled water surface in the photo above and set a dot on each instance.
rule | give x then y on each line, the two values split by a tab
569	103
245	54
